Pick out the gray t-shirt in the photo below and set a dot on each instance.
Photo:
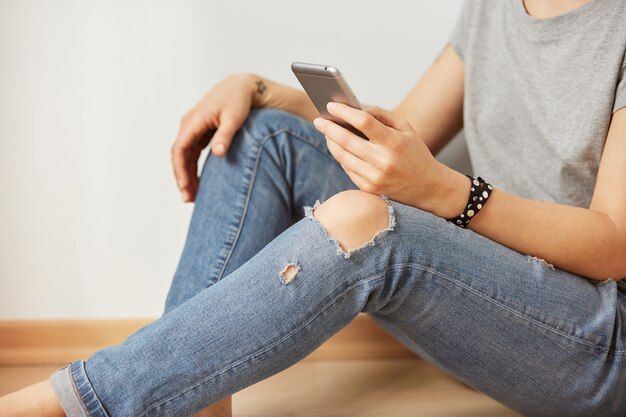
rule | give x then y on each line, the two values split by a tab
539	94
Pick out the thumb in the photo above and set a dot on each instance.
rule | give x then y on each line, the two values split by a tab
224	135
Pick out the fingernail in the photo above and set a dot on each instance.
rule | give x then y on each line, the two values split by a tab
184	196
219	147
331	105
317	122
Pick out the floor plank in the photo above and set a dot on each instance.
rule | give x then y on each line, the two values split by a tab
339	388
364	388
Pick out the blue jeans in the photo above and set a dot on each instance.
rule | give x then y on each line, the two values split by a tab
542	341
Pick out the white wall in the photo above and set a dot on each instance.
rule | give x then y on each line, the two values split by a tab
91	225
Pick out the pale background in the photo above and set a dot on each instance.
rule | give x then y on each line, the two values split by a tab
91	93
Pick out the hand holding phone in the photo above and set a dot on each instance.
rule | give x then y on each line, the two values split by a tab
324	83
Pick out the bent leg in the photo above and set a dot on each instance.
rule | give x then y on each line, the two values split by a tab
542	341
277	163
248	326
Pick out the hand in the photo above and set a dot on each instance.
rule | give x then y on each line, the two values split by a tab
216	119
394	162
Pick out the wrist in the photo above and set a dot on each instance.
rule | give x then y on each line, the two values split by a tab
266	93
256	87
449	195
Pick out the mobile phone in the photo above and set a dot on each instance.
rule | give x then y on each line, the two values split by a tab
324	83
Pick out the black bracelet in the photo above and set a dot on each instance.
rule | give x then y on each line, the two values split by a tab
480	190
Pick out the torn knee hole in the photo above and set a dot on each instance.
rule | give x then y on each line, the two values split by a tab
289	272
352	229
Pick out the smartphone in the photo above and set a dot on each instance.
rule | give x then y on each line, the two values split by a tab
324	83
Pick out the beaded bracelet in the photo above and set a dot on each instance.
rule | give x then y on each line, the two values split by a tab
480	190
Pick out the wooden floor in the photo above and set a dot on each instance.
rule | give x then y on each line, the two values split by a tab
337	388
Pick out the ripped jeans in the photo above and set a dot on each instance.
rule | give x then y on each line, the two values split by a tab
261	284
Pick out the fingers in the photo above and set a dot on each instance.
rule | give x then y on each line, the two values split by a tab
193	136
347	159
192	189
344	138
224	135
181	173
192	129
367	123
185	172
358	180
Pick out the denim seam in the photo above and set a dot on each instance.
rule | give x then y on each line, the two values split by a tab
78	394
517	313
280	340
233	243
262	142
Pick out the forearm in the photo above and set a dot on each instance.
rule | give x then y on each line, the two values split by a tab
434	106
268	93
578	240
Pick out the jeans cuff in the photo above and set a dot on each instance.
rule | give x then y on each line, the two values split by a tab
75	393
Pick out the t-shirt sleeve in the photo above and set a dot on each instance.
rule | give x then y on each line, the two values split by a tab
460	31
620	91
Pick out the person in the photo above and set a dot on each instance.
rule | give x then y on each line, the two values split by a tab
523	302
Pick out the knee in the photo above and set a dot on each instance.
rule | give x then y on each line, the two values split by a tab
263	121
354	217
